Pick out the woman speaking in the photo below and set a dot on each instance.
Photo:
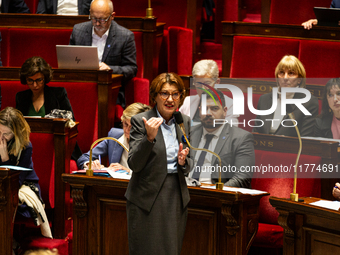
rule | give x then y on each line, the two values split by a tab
157	194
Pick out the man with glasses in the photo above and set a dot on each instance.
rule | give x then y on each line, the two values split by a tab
234	146
115	44
205	72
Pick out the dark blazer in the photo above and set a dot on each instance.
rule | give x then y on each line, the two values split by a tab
106	147
305	123
323	126
50	7
120	49
55	98
235	147
335	4
14	6
148	161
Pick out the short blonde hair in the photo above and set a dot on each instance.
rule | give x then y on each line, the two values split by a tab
292	63
167	78
134	109
14	120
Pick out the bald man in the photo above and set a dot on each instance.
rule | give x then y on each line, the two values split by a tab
116	44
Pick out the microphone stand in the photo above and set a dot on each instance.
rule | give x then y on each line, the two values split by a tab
294	196
219	184
89	171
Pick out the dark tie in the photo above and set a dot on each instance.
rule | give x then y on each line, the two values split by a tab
197	170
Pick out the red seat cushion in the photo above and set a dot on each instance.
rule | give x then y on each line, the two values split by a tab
269	235
46	243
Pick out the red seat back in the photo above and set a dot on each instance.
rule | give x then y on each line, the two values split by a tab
84	100
257	57
282	184
4	46
139	53
299	11
28	42
324	64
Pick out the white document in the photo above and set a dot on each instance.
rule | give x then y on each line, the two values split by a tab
333	205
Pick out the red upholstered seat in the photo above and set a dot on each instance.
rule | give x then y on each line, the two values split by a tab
8	91
180	50
269	233
323	64
28	42
299	11
257	57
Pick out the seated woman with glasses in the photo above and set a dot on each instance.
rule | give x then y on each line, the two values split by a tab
289	73
116	154
40	99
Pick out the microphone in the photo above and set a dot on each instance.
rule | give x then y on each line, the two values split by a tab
294	196
89	171
179	120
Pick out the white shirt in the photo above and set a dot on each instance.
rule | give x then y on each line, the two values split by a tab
67	7
100	43
124	157
205	176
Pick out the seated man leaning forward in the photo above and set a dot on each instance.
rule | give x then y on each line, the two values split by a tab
116	44
235	146
116	154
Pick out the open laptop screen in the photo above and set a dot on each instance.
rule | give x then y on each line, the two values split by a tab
327	16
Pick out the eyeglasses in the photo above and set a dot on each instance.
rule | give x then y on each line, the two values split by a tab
165	95
31	81
101	21
290	74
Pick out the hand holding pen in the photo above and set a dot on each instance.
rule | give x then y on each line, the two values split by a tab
336	191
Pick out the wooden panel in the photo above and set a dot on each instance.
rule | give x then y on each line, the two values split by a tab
219	222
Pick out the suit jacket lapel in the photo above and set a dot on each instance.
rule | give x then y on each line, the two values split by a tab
110	41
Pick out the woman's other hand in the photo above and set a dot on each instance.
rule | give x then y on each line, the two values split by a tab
3	150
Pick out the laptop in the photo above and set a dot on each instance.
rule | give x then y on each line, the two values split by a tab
329	17
77	57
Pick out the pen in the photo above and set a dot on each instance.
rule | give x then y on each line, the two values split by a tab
336	187
100	159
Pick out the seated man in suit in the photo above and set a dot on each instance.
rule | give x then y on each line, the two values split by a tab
116	44
205	72
235	146
69	7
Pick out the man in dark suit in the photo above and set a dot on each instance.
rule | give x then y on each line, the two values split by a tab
116	44
235	147
14	6
118	50
74	7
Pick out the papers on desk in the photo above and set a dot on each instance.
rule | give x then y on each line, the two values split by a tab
18	168
333	205
240	190
121	174
322	139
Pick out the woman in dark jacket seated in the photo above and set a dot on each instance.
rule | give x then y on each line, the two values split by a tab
40	99
328	122
289	73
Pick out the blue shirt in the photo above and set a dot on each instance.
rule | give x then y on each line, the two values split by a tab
171	143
